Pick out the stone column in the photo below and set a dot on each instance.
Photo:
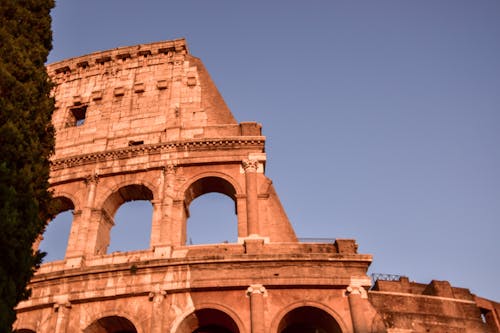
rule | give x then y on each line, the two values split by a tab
156	224
357	297
100	229
74	249
161	231
62	311
170	213
86	240
167	232
256	293
156	298
250	166
91	181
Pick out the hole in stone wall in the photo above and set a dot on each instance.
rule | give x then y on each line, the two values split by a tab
83	64
135	143
132	229
77	116
144	53
488	318
212	220
55	237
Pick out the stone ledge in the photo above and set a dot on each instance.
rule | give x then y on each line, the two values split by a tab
196	254
120	54
146	149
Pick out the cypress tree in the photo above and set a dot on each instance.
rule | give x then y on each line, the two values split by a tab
26	143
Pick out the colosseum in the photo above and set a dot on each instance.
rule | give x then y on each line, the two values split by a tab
146	122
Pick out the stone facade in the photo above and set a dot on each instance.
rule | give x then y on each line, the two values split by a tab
147	123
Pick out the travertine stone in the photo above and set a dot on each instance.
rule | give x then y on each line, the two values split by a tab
147	122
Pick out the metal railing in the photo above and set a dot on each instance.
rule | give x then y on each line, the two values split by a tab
385	277
316	240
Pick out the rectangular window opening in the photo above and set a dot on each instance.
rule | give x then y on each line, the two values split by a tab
487	317
77	116
144	53
135	143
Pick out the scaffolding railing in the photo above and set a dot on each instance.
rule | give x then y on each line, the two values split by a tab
316	240
385	277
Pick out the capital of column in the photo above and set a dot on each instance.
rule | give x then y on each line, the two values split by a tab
65	305
250	165
157	296
91	179
356	290
170	168
256	289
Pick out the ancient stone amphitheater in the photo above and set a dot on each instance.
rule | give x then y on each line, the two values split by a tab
147	123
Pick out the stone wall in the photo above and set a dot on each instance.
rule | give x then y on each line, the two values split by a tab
147	123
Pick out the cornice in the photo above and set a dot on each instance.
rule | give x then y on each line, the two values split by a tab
116	55
163	147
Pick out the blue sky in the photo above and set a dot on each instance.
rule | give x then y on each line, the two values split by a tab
382	117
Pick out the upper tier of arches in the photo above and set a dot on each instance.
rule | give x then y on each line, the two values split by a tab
170	191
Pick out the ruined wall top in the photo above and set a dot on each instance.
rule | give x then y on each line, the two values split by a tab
116	55
143	94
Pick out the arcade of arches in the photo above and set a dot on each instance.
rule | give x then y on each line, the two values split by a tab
111	324
305	319
308	319
105	213
157	129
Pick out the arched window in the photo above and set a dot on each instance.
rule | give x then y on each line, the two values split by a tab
308	319
131	210
132	229
208	321
212	219
211	211
54	240
111	324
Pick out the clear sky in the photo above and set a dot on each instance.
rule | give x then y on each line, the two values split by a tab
382	117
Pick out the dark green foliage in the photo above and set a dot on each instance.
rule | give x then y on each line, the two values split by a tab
26	143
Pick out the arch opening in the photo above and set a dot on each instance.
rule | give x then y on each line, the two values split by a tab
208	321
111	324
24	330
132	212
212	329
132	229
212	220
125	194
207	185
54	240
308	319
211	212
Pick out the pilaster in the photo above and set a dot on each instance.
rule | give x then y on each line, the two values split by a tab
251	166
156	298
87	240
358	298
256	294
61	311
